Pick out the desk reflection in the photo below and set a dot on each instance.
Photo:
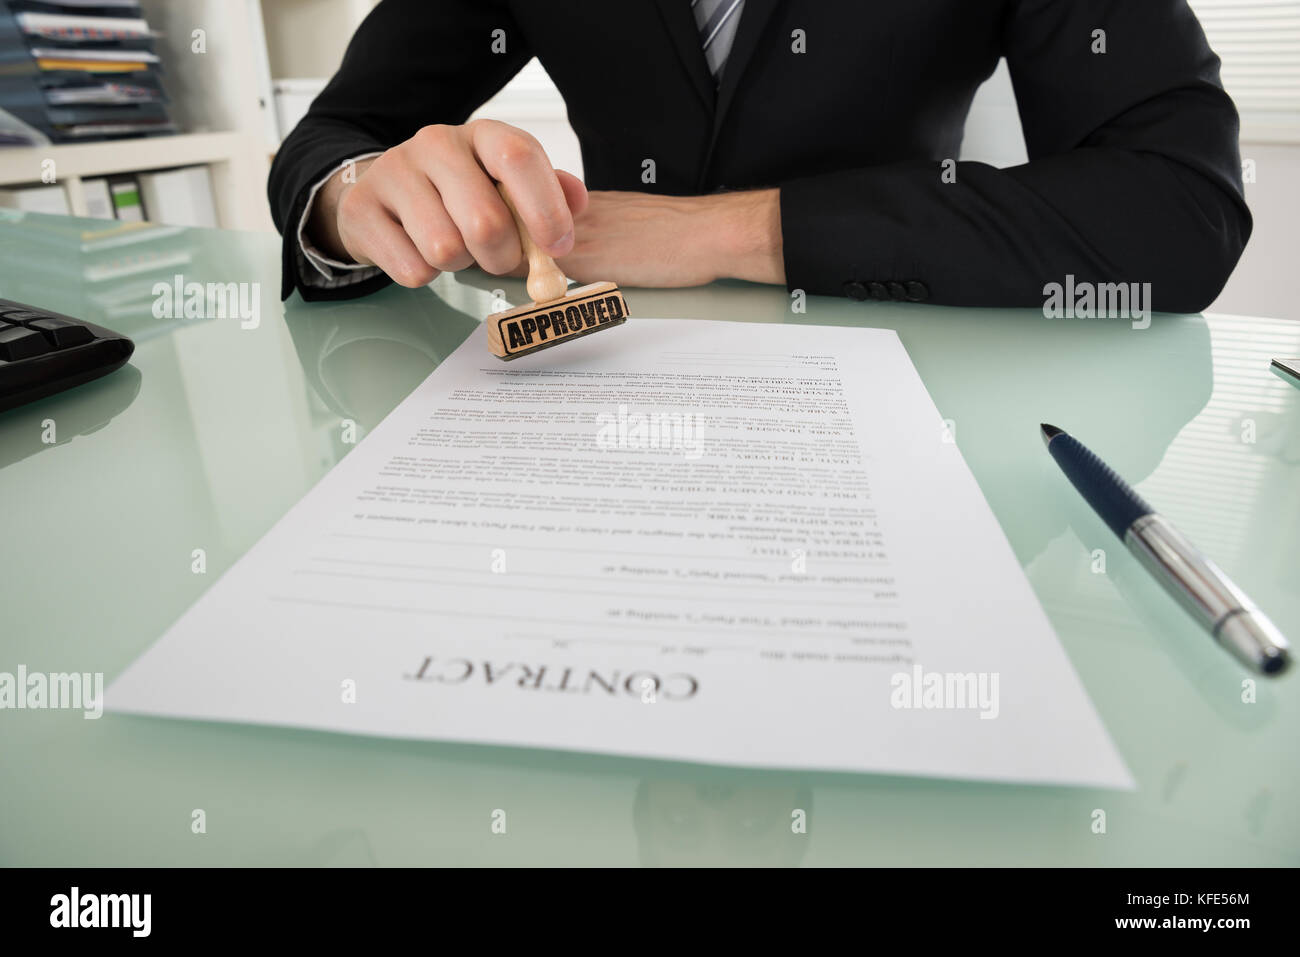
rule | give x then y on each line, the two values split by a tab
363	357
59	419
684	823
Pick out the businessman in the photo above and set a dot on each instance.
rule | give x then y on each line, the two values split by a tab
809	143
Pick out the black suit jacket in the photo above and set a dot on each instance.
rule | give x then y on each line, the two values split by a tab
1134	171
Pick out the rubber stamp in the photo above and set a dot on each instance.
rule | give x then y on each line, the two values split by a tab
557	313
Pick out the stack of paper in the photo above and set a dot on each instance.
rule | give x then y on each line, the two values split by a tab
80	71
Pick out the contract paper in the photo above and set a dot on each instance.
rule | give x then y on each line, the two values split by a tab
728	543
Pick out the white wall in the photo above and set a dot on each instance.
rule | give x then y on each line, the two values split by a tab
306	38
993	130
1265	281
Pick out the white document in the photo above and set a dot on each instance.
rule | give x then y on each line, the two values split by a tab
716	542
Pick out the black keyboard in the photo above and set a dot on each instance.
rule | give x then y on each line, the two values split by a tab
43	352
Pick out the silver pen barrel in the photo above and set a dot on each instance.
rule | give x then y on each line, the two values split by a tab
1208	594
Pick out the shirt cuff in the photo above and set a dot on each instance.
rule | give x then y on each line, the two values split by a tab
314	267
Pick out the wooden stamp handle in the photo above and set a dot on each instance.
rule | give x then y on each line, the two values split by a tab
546	281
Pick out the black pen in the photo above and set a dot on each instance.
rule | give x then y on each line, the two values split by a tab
1197	583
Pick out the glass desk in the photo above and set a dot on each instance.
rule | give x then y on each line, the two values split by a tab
213	431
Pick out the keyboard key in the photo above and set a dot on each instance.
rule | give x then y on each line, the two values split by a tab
61	333
42	353
18	343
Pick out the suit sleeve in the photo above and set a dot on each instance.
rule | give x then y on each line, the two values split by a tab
410	64
1134	175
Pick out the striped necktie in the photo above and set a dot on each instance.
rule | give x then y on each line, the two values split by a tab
717	21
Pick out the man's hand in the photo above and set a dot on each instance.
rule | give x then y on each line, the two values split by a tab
430	205
640	239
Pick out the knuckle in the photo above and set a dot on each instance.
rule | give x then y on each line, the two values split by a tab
412	275
434	135
515	149
447	252
488	228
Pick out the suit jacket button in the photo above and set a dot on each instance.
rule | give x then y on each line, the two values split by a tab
917	292
897	292
855	290
879	292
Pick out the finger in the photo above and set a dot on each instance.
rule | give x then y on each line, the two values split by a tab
415	203
575	192
470	198
377	238
517	160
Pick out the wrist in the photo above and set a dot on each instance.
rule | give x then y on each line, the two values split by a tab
322	221
746	236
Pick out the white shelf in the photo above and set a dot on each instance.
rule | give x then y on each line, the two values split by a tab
237	162
119	156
